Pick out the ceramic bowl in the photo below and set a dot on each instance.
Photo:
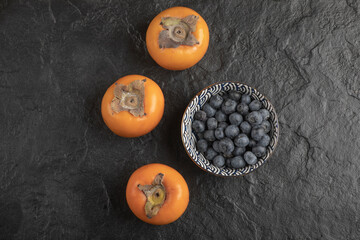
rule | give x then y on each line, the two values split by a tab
189	139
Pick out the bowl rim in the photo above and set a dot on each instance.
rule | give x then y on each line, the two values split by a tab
275	120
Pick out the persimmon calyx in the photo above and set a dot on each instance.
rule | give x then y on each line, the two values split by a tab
178	31
155	196
129	98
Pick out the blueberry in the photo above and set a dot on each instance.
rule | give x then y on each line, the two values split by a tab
198	126
259	151
210	111
234	95
245	99
265	114
216	101
250	158
211	123
223	125
266	125
238	162
219	133
245	127
232	131
199	136
228	163
235	118
209	135
200	115
220	116
219	161
252	143
228	106
226	146
264	141
225	95
241	140
215	146
255	105
210	153
256	133
202	145
242	108
239	151
254	118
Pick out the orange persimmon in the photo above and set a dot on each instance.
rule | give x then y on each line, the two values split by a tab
133	106
177	38
157	194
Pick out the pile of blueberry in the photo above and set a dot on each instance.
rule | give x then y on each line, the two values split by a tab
232	129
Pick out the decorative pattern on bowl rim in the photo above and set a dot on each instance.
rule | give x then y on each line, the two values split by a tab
189	139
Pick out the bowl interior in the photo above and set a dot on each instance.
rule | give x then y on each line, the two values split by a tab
189	139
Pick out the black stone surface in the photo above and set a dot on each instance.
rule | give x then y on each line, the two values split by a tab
63	173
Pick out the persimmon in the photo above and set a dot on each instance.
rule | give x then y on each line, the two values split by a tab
177	38
157	194
132	106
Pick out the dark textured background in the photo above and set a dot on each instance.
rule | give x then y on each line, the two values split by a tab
63	173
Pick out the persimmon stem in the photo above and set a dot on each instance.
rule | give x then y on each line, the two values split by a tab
155	196
129	98
178	31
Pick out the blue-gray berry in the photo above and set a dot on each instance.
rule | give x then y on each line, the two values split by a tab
238	151
219	133
210	111
266	125
210	153
235	118
215	146
238	162
228	106
264	141
245	127
250	158
209	135
246	99
216	101
259	151
198	126
241	140
232	131
226	146
234	95
255	105
200	115
257	133
211	123
202	145
242	108
220	116
219	161
254	118
264	113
